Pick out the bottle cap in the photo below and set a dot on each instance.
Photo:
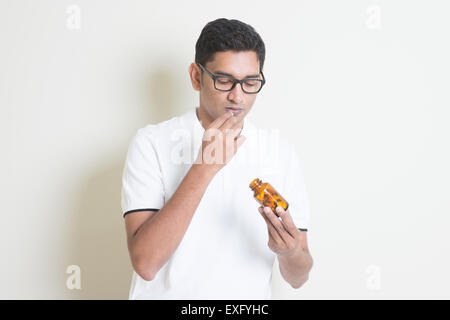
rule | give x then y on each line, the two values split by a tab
255	183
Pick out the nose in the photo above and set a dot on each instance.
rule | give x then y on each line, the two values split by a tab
236	95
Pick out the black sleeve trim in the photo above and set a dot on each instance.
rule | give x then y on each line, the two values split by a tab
137	210
302	229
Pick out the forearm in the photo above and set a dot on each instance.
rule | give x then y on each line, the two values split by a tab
159	237
295	268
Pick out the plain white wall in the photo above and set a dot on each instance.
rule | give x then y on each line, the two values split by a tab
360	87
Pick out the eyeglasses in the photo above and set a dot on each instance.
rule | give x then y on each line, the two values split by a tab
225	83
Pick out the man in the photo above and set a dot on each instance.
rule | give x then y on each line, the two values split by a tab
193	230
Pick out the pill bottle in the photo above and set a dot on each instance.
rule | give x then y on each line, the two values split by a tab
267	196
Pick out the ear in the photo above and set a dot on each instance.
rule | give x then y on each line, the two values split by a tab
196	76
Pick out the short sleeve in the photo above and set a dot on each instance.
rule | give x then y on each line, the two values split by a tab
295	191
142	183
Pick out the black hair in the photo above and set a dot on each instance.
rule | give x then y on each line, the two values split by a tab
223	35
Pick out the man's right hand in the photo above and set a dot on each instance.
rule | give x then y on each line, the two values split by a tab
221	141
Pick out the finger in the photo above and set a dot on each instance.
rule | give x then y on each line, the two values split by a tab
217	123
277	224
233	133
273	233
232	146
287	221
237	127
235	121
274	237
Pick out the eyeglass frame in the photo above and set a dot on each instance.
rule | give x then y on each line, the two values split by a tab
214	77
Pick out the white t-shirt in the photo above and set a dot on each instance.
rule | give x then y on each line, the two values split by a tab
224	253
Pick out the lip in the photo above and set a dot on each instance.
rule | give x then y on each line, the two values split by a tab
235	110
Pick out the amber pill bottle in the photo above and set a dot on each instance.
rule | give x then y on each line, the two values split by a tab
267	196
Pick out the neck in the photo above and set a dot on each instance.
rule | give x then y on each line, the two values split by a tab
203	117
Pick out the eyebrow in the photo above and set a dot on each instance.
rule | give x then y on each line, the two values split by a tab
230	75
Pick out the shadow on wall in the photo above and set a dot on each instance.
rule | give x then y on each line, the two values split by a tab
99	244
165	93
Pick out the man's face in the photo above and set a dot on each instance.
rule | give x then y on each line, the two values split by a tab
239	65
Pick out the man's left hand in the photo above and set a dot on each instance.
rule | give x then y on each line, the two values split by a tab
284	237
